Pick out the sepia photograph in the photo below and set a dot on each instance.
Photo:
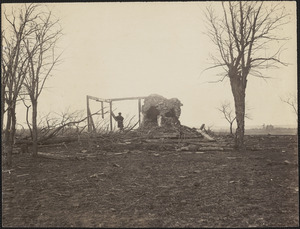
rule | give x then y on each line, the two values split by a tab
142	114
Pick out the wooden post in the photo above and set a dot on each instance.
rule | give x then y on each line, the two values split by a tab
110	114
91	120
88	113
102	110
139	108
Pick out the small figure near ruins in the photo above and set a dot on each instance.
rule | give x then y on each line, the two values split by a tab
119	119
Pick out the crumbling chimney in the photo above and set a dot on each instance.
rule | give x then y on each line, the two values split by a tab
159	111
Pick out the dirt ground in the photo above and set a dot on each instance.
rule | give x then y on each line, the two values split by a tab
138	185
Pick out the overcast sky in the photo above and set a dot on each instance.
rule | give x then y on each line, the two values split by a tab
113	50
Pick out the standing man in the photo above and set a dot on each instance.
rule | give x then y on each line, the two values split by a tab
119	119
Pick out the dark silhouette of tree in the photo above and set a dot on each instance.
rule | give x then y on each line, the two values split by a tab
41	49
28	56
14	66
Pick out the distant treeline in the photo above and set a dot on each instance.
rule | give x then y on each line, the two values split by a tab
273	131
264	131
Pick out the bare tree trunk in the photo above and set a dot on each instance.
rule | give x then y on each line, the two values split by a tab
231	128
238	92
2	121
8	142
10	134
8	125
12	137
240	120
34	129
2	105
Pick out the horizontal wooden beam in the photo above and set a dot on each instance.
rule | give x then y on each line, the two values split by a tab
115	99
98	99
128	98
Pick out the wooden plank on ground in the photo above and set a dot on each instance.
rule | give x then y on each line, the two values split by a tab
205	135
210	149
53	156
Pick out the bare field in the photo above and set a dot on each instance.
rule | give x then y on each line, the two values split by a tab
153	185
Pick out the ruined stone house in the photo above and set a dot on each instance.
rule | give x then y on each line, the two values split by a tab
159	111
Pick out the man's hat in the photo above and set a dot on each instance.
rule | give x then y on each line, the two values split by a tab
120	113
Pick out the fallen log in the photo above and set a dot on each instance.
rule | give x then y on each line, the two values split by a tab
53	156
165	135
48	142
210	149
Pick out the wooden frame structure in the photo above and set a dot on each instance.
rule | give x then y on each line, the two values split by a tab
91	125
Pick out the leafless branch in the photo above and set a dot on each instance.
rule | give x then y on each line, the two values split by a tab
291	100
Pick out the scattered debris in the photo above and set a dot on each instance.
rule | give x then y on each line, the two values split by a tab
187	152
205	135
22	175
211	148
184	148
192	181
163	186
116	165
287	162
77	158
193	147
94	175
7	171
197	184
254	149
75	204
53	156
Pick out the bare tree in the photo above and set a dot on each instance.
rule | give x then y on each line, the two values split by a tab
228	112
291	100
3	80
41	49
239	33
14	64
